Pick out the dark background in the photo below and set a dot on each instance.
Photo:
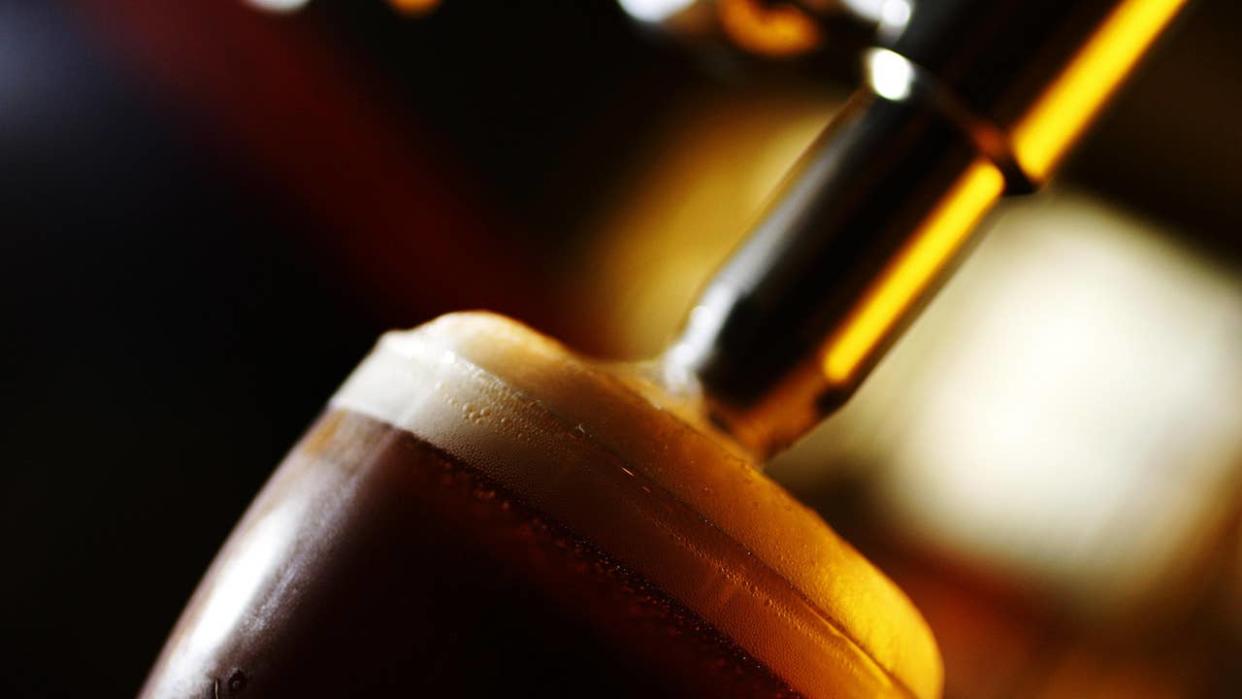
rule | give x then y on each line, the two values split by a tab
208	214
186	277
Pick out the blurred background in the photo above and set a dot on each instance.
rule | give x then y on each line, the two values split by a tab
211	209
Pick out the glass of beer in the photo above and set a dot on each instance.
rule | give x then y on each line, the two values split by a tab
480	512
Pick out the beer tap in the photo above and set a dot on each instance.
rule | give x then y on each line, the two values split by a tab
963	102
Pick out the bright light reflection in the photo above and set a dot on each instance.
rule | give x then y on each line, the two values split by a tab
891	75
890	16
866	9
278	5
244	569
653	10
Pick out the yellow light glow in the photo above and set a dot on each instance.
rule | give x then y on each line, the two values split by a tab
931	246
778	29
1057	118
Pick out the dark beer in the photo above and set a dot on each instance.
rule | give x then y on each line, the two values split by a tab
479	513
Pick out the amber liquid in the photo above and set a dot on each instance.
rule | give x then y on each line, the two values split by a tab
375	565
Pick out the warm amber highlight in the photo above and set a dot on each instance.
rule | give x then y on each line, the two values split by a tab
1063	111
768	29
415	8
903	282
